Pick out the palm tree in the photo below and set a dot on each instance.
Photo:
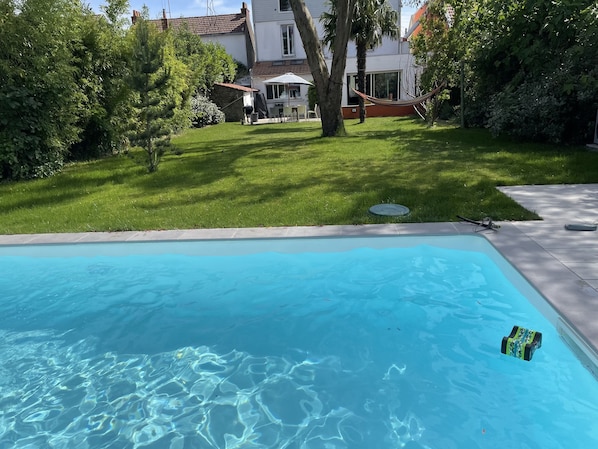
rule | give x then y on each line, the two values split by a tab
372	20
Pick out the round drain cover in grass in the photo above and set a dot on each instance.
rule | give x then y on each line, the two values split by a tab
389	210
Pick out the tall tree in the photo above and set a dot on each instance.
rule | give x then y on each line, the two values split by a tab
329	85
531	66
153	103
39	97
372	20
115	11
101	72
208	61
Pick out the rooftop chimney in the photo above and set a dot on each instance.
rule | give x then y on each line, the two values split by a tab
164	20
136	15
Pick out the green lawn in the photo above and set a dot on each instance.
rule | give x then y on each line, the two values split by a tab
286	174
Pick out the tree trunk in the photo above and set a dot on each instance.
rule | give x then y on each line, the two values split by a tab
361	61
328	85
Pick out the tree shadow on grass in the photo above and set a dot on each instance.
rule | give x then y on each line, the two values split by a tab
438	176
74	183
437	173
430	195
206	163
282	128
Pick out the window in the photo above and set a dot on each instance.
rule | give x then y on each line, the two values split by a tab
352	84
274	91
386	85
284	5
288	44
279	91
380	85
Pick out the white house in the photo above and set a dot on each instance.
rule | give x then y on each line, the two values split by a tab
391	69
233	31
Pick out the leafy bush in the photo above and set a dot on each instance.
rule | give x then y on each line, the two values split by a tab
527	112
530	66
550	109
204	112
39	98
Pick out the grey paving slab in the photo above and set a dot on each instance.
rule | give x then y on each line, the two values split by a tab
588	252
569	282
585	270
16	239
563	202
556	231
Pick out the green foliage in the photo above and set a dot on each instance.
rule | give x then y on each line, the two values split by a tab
204	112
101	68
150	82
241	70
527	112
208	61
312	97
178	88
197	65
438	48
531	66
39	96
71	85
115	12
372	19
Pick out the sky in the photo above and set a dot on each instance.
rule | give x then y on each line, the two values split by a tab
193	8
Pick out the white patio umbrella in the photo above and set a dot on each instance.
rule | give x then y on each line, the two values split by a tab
287	79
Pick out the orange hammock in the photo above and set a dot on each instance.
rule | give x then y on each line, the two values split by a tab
412	102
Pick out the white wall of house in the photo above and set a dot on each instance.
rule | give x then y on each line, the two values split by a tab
269	39
269	23
233	43
271	26
270	10
404	64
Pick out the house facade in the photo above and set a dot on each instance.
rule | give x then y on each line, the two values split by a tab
233	31
390	71
272	46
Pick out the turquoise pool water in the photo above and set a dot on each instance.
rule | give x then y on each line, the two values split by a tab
388	342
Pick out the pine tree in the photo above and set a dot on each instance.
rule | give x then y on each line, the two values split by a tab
149	79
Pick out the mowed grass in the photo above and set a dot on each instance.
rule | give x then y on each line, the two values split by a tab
286	174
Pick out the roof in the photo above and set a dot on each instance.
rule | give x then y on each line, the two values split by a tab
267	69
237	87
208	25
415	26
415	22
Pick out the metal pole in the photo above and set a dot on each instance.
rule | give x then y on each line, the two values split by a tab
462	93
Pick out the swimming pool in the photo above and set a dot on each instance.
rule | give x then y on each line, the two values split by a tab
385	342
